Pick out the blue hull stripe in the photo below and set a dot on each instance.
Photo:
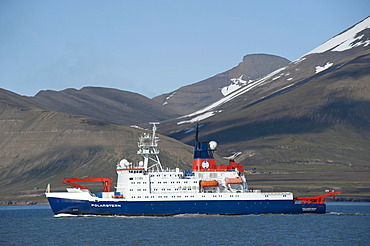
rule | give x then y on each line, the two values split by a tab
69	206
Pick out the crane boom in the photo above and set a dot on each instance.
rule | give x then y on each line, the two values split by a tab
106	182
318	199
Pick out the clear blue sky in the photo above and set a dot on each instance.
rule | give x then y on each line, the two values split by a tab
154	46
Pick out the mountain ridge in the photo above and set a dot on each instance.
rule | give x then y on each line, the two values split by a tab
316	61
193	97
111	105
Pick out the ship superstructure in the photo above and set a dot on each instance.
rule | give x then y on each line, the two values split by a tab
147	188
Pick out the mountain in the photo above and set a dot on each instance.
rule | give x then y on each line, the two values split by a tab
330	56
193	97
111	105
303	127
16	100
40	146
127	108
308	121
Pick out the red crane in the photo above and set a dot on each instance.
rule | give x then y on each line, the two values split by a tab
318	199
106	182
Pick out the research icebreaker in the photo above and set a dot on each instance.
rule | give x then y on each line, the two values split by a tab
147	188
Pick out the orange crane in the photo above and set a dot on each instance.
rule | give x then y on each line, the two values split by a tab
318	199
106	182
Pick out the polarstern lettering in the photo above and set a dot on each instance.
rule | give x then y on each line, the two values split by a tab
106	205
309	209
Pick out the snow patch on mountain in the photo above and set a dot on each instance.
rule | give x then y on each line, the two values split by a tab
319	69
207	111
299	60
352	37
167	98
236	83
345	40
200	117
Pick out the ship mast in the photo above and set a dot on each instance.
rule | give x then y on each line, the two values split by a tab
148	149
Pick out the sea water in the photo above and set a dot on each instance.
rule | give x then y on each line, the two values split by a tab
343	224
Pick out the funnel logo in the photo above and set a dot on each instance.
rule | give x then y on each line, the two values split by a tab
205	164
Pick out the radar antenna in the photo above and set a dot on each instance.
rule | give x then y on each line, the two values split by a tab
148	149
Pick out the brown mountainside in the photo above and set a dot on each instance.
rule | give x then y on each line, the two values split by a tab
16	100
38	147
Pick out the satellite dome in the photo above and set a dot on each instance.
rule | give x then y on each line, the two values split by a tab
124	163
212	145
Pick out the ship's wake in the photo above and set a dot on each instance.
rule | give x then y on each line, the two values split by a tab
352	214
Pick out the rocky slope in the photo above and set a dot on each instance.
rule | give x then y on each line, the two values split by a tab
38	147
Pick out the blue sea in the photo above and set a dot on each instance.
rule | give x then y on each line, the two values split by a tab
343	224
